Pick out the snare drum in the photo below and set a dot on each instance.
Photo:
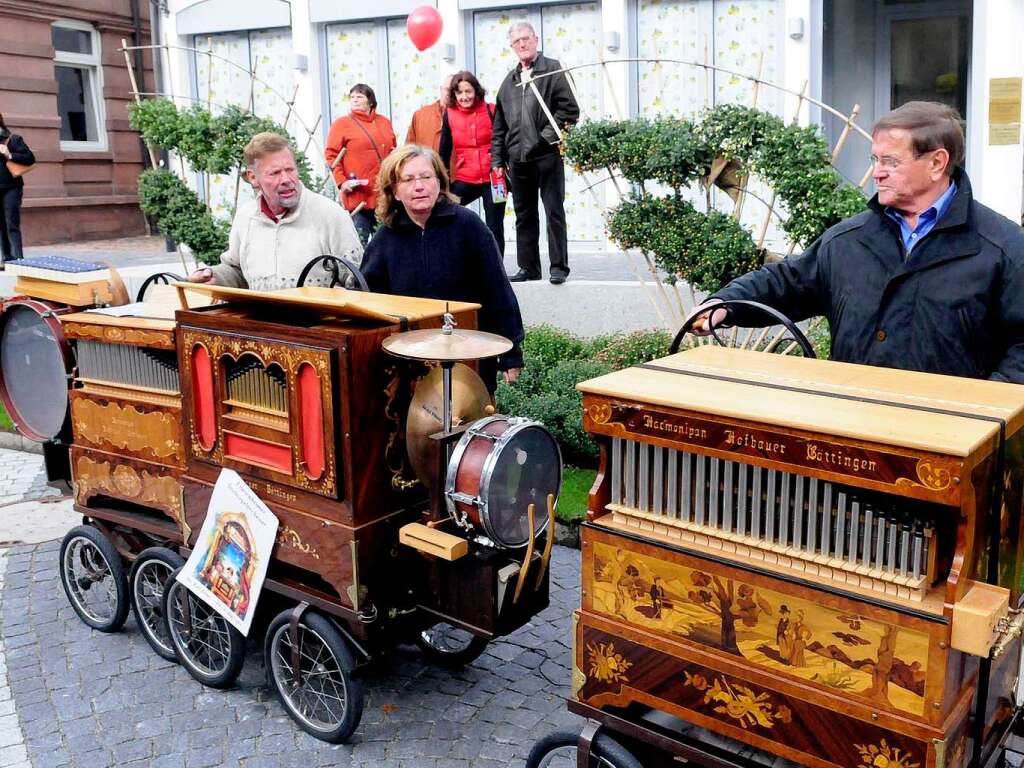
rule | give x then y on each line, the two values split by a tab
498	468
36	363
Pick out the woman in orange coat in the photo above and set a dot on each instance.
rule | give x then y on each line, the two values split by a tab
366	138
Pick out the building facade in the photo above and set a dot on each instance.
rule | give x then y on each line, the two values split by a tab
65	87
875	54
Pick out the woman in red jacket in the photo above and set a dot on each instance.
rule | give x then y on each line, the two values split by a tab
466	133
366	138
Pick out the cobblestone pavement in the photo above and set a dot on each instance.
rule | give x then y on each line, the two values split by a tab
22	478
71	696
88	699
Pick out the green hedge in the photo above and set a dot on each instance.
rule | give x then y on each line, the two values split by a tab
555	362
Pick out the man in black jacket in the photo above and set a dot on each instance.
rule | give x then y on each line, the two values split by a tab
525	145
13	148
926	279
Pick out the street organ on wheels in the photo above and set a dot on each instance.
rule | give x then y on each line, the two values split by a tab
407	509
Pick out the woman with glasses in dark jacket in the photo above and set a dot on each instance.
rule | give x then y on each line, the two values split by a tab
14	149
431	247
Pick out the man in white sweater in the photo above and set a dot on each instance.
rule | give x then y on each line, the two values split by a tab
274	236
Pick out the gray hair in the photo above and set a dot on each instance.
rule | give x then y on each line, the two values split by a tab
523	24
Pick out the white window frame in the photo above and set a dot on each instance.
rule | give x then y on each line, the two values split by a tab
93	64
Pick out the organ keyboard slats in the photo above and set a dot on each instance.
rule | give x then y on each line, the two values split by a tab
885	543
127	366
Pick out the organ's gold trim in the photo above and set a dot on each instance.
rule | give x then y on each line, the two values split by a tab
125	482
931	477
127	428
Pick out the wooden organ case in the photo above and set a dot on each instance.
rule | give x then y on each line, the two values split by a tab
302	401
802	555
128	453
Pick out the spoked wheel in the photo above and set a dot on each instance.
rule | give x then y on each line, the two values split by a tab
210	648
311	670
558	750
450	646
93	578
148	576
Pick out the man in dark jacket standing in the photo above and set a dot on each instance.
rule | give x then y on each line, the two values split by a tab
926	279
525	145
13	148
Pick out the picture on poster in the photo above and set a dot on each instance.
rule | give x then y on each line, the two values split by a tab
229	563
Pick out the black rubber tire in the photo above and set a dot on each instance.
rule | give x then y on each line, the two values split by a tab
146	582
605	752
334	664
81	542
450	658
230	643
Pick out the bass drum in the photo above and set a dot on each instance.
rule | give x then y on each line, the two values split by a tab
499	467
36	363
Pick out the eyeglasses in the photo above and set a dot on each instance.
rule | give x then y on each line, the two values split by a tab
424	177
891	163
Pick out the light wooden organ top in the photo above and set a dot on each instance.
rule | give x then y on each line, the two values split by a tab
339	301
838	474
855	401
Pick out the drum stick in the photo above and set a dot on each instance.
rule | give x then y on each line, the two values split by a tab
549	545
531	512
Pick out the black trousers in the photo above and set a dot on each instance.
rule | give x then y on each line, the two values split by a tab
365	221
546	176
10	223
494	213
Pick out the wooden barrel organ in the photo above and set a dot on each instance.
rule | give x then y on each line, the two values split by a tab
293	391
819	560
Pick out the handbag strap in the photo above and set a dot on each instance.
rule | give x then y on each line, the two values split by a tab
358	122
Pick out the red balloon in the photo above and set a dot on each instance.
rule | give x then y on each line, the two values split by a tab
424	26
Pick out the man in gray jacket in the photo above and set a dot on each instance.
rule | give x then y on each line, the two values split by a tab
525	146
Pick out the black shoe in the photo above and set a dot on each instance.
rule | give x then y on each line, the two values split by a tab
522	276
557	279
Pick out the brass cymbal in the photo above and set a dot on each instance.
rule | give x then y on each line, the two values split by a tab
435	344
470	402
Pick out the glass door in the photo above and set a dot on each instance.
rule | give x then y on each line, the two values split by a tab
924	54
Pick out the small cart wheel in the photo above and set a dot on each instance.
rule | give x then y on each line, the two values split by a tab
558	750
207	646
147	580
321	694
449	646
93	578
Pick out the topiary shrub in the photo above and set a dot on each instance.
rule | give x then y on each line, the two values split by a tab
709	248
181	215
210	144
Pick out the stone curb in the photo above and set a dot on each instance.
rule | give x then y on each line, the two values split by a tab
12	441
567	534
